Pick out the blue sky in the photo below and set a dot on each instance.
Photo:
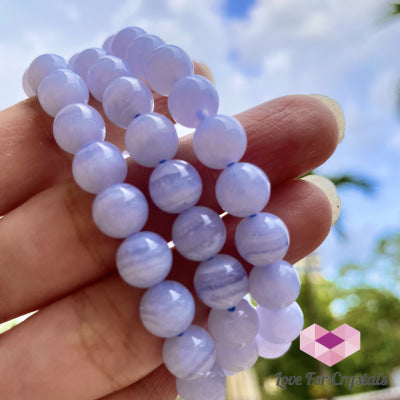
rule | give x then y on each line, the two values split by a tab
258	50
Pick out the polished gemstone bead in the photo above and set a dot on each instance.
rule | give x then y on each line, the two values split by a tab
175	186
166	66
60	88
219	140
167	309
98	165
123	39
103	72
125	98
71	61
108	43
120	210
27	86
235	326
221	282
150	139
139	52
42	66
242	189
86	59
144	259
76	125
262	239
192	99
211	386
271	350
280	326
275	285
191	355
198	233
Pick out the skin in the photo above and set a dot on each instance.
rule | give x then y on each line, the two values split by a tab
87	341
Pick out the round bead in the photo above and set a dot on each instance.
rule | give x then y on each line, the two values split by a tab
175	186
198	233
271	350
76	125
144	259
211	386
219	140
167	309
220	282
274	286
139	52
166	66
192	99
191	355
98	165
27	86
242	189
280	326
71	61
234	327
103	72
120	210
151	138
123	39
108	43
42	66
262	239
125	98
86	59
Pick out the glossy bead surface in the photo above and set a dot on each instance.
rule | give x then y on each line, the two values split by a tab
103	72
125	98
242	189
151	138
27	86
271	350
166	66
274	286
219	140
139	52
76	125
123	39
191	355
220	282
108	43
98	165
198	233
120	210
234	327
175	186
280	326
211	386
192	99
167	309
144	259
86	59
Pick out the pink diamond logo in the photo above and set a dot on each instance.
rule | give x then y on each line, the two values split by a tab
330	347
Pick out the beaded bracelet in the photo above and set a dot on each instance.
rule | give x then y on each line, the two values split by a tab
119	75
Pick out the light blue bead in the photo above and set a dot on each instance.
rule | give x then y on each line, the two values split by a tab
60	88
139	52
125	98
123	39
262	239
167	309
219	140
191	355
98	165
212	386
71	61
175	186
220	282
151	138
120	210
86	59
26	85
242	189
108	43
192	99
271	350
144	259
42	66
103	72
166	66
198	233
76	125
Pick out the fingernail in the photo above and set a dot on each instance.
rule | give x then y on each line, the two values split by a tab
337	112
329	189
206	71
